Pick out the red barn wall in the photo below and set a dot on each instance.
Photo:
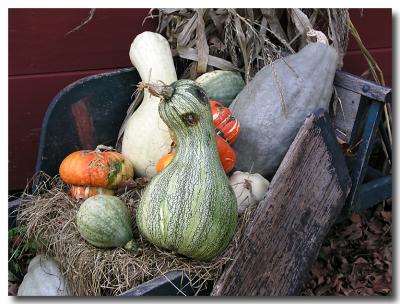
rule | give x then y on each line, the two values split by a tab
43	59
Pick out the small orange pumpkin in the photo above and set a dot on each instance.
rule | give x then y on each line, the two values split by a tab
226	125
105	169
164	161
226	154
84	192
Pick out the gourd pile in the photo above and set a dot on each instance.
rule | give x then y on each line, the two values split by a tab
186	138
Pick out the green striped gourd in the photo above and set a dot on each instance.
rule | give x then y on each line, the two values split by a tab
104	221
222	86
189	207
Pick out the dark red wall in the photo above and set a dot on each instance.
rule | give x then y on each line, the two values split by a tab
43	60
375	29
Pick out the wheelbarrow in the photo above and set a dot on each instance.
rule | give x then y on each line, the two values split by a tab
90	111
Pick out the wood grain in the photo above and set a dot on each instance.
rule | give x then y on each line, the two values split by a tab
346	113
284	237
363	86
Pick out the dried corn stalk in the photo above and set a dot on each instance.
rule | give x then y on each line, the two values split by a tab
244	39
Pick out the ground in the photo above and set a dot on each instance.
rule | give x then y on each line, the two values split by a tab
356	257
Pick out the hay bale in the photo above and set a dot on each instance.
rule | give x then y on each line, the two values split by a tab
49	217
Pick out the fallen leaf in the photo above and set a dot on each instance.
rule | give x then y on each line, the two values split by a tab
375	227
360	260
355	218
12	289
387	216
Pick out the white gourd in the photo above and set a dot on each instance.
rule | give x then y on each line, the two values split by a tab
249	189
44	278
146	138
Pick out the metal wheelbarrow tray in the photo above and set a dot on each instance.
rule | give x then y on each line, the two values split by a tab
90	112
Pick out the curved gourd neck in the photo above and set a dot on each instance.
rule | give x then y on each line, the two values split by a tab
199	147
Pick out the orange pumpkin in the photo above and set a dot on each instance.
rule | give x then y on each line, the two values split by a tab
84	192
106	169
226	125
226	153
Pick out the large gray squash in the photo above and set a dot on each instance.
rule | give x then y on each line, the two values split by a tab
306	81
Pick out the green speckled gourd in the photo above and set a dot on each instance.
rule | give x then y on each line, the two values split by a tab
189	207
104	221
222	86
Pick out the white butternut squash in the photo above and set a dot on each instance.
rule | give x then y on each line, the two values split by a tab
146	138
44	278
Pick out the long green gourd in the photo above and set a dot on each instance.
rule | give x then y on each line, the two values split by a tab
189	207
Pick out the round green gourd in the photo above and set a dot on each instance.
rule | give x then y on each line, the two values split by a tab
104	221
222	86
190	207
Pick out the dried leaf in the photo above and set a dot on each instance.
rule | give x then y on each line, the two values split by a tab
201	43
353	232
387	216
261	38
242	44
191	54
218	21
273	22
186	34
356	218
375	227
132	107
300	20
360	260
380	285
169	11
12	289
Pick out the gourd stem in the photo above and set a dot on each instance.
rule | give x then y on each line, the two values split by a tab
159	90
133	247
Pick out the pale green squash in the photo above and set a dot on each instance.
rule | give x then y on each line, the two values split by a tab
222	86
190	207
104	221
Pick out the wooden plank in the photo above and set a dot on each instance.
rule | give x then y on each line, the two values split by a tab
29	97
346	113
38	42
360	164
362	86
373	192
284	237
355	63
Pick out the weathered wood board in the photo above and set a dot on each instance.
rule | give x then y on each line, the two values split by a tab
349	105
285	235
